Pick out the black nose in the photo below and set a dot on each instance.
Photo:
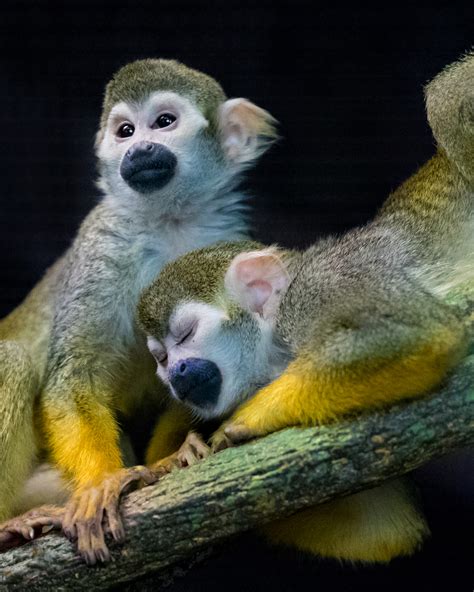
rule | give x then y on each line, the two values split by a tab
196	381
148	166
139	148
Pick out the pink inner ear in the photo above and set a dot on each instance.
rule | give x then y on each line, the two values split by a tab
258	292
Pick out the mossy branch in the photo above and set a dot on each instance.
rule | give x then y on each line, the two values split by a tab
240	488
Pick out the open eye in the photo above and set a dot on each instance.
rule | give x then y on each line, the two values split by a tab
165	120
125	130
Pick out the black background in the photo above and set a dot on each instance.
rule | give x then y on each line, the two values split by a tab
346	85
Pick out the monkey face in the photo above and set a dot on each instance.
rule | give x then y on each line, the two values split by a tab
212	361
157	148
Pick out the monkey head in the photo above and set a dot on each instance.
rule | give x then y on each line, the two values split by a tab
168	131
210	320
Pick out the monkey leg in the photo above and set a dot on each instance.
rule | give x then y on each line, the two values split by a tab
18	446
169	433
374	525
317	388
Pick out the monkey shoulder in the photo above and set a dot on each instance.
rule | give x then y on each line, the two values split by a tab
349	282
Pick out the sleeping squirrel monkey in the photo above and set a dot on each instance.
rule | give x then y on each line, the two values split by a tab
278	338
171	151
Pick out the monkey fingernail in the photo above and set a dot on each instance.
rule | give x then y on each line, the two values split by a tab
47	528
103	555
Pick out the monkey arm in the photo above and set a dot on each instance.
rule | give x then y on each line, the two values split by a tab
90	358
326	383
82	435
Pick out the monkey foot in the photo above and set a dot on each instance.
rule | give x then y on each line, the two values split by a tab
29	526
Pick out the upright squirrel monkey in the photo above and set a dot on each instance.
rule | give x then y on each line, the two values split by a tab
171	150
351	324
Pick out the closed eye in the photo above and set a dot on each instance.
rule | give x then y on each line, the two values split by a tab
157	350
161	357
187	334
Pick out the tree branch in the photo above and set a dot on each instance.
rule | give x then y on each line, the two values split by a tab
239	488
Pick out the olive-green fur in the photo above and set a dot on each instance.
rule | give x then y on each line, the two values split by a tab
450	98
71	355
137	80
355	316
199	275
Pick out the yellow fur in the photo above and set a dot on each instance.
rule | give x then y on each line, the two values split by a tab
169	433
312	392
375	525
86	444
371	526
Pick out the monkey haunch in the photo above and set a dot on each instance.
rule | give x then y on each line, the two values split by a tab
353	323
171	149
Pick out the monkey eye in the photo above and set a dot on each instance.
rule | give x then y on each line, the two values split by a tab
162	357
189	332
165	120
125	130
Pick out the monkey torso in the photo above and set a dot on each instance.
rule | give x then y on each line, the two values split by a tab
422	242
86	302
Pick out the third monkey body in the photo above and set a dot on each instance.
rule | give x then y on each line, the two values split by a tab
353	323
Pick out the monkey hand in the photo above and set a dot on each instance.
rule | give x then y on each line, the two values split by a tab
93	511
255	418
28	526
190	452
231	434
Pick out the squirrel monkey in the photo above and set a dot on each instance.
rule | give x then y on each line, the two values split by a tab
171	149
278	338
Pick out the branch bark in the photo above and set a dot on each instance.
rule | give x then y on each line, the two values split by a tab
239	488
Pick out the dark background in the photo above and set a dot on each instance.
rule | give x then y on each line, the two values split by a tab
346	86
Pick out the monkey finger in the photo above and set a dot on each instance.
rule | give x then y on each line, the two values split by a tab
29	525
50	522
197	445
220	441
238	433
165	466
187	458
146	475
117	485
69	525
113	522
82	508
91	543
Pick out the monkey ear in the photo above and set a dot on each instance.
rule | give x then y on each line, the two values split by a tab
257	280
246	130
